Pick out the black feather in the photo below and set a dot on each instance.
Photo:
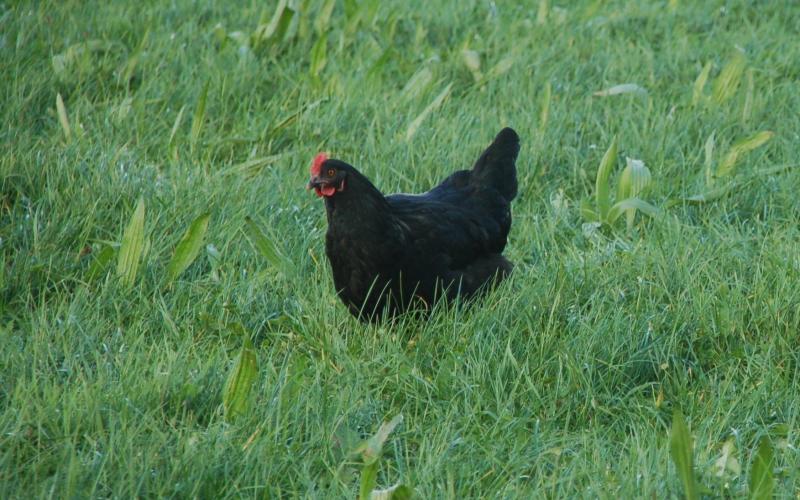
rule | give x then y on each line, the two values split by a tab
388	253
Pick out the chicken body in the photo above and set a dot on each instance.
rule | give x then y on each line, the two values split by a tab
391	253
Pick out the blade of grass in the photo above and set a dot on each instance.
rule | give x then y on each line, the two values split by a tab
133	61
264	245
747	110
433	106
294	116
709	159
544	114
251	167
171	145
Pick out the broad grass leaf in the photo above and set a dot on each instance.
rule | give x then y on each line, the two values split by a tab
77	53
368	481
132	247
712	194
323	17
634	204
100	262
681	450
241	39
62	117
700	84
728	80
728	163
473	63
129	67
417	84
291	117
251	167
761	480
319	55
378	66
542	12
277	28
433	106
371	449
220	35
502	66
120	112
188	247
236	395
602	188
625	88
370	452
588	212
776	169
357	13
265	246
727	461
397	492
634	179
199	117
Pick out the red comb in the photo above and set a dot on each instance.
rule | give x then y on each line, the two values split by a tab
316	165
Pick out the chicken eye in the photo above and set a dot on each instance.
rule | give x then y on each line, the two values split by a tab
331	172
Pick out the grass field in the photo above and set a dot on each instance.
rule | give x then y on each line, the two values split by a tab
114	355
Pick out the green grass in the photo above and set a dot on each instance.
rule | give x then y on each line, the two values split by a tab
561	383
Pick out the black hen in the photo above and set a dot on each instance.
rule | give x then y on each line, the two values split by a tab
389	253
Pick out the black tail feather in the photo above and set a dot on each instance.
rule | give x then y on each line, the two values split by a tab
496	166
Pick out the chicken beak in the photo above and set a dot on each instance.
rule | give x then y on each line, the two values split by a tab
313	183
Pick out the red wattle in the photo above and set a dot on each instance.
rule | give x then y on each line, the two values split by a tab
325	190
